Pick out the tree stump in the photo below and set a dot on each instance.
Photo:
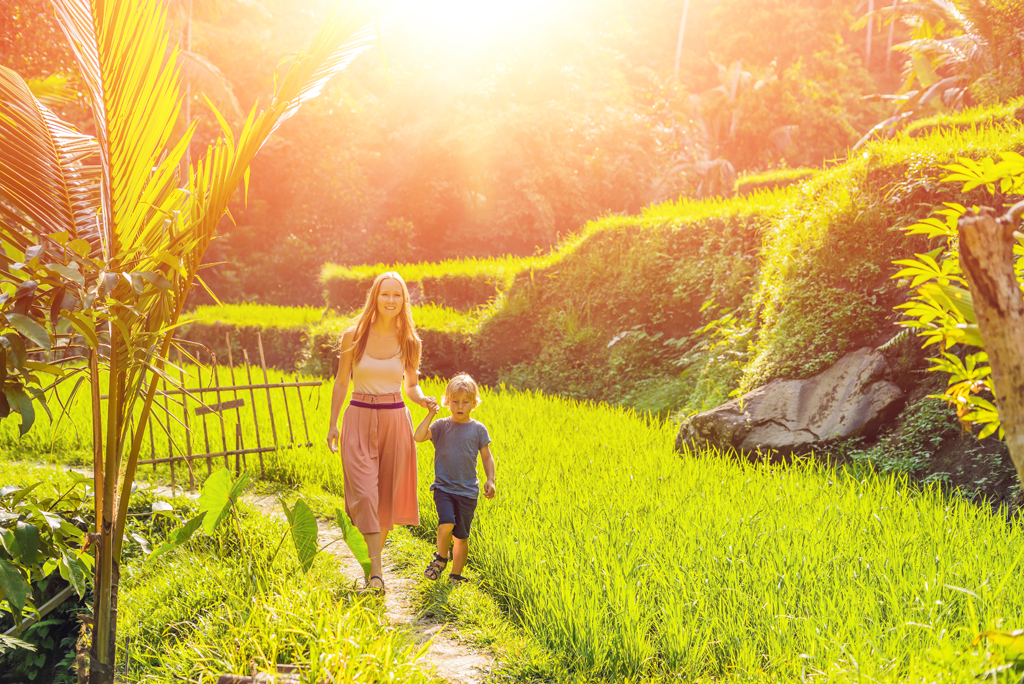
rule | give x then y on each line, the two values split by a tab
986	256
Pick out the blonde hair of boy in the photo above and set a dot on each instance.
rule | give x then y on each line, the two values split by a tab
463	383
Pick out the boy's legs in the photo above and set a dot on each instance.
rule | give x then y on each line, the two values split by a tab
465	508
444	538
459	554
445	504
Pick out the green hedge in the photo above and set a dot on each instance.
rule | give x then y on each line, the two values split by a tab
456	283
306	340
769	180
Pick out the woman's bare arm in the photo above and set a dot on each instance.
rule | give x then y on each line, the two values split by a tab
415	392
340	390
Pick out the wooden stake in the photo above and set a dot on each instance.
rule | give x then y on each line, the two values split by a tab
302	410
986	255
220	414
255	418
266	379
206	434
188	430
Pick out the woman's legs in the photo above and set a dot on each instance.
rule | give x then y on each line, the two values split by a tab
374	544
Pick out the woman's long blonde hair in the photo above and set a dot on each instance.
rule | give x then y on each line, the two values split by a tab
408	338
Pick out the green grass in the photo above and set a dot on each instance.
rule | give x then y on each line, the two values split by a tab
777	178
223	605
628	561
505	267
624	560
70	441
969	118
314	319
262	315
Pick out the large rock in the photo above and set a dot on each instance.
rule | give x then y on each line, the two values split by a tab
849	399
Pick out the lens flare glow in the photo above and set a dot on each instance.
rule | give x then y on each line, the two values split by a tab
474	23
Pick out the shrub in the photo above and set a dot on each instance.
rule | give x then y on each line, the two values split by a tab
461	290
282	329
455	283
770	180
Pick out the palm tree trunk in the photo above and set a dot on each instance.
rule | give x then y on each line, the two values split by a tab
104	636
682	32
867	48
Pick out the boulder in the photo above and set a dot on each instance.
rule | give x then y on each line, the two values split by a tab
851	398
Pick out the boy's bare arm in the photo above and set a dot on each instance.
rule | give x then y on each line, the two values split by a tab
488	461
422	433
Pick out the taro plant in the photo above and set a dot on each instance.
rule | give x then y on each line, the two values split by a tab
101	233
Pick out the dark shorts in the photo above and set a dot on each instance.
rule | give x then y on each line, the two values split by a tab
453	509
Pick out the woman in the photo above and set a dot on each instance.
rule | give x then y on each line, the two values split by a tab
377	448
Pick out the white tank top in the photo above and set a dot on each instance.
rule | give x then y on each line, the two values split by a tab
378	376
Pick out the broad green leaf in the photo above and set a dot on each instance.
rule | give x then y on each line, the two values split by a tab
162	508
80	247
15	349
67	272
179	536
27	537
354	540
213	500
218	496
304	532
14	586
28	327
21	403
72	570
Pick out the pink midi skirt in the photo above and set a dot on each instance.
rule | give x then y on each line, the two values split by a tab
379	457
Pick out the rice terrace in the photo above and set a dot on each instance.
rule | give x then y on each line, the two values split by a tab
579	341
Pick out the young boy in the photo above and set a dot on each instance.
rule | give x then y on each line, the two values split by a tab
457	440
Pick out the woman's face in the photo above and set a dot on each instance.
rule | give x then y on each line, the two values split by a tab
390	298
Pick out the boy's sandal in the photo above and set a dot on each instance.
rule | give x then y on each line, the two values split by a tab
457	579
370	589
437	565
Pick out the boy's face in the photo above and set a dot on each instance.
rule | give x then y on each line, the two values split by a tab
461	404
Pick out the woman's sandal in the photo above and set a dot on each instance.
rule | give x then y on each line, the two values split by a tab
370	589
457	579
437	565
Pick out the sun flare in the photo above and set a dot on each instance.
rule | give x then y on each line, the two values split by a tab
476	22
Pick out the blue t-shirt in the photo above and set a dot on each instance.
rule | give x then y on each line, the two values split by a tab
456	446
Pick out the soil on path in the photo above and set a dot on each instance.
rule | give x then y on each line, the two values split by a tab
451	660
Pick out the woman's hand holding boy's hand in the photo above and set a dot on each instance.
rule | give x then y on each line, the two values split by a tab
431	404
489	489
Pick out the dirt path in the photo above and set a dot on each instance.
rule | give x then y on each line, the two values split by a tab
451	660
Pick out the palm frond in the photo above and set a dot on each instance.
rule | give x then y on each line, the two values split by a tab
76	21
49	173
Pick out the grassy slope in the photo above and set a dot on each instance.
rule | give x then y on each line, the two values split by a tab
807	273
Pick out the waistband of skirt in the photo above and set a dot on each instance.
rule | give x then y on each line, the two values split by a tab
377	401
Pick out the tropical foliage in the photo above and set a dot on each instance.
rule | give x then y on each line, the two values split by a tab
942	309
101	231
960	52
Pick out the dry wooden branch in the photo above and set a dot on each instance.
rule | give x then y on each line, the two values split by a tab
986	256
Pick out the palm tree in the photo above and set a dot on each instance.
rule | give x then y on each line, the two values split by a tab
956	44
116	237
